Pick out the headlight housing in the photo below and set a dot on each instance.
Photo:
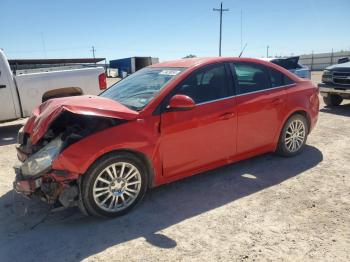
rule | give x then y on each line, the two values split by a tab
41	161
327	76
327	73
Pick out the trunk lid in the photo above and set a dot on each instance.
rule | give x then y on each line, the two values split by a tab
43	115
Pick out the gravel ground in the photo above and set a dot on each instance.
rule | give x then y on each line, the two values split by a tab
261	209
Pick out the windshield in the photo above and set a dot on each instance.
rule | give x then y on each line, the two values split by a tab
137	90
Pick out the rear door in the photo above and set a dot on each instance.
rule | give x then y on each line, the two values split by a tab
7	107
195	139
260	105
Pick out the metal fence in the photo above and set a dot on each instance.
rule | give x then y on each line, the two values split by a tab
320	61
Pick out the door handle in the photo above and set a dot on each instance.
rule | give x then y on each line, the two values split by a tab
2	86
227	116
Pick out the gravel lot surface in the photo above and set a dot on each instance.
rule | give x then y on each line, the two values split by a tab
261	209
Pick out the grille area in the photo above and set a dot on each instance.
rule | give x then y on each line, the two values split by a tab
341	78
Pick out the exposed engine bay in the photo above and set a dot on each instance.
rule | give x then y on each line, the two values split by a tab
35	176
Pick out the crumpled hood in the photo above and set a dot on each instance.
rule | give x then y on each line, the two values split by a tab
43	115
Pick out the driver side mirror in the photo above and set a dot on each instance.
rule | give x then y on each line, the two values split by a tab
181	102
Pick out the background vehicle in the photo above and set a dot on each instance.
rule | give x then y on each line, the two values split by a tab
20	94
162	123
335	84
292	65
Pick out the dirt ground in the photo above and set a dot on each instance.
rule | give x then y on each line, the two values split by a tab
262	209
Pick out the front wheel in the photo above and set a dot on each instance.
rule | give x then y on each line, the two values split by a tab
332	100
293	136
114	185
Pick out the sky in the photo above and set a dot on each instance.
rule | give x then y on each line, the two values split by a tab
171	29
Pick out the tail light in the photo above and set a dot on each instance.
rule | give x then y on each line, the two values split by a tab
102	81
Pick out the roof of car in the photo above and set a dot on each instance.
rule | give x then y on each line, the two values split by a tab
191	62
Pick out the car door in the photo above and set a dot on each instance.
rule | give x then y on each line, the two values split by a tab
260	105
7	107
198	138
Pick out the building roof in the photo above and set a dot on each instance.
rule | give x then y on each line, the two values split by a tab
54	61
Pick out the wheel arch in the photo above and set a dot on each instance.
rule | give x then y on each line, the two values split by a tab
141	156
295	112
61	92
304	114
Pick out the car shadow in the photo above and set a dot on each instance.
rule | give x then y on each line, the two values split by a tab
342	110
8	134
68	235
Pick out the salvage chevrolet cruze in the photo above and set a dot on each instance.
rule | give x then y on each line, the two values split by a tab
164	122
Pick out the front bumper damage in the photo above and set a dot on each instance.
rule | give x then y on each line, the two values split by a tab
55	187
53	127
50	188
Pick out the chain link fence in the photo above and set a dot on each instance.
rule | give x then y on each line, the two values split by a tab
317	62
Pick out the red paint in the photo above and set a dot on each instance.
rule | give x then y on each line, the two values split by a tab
181	102
48	111
182	143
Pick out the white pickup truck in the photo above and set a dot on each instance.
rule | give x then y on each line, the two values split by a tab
19	94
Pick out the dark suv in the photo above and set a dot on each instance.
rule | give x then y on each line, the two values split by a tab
335	84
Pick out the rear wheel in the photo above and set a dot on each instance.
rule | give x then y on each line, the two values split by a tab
332	100
293	137
114	185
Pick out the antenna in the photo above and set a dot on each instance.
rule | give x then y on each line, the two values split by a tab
240	54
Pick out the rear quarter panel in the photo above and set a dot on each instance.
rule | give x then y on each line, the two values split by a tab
302	96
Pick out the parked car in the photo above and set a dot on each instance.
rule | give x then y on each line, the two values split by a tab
163	123
335	84
291	64
20	94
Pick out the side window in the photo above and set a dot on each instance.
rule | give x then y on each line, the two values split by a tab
279	79
206	85
287	80
250	77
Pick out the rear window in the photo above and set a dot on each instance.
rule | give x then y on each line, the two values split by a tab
279	79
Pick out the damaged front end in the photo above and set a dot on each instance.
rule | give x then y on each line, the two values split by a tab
35	176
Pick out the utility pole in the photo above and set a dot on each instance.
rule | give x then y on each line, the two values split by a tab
220	10
267	51
93	50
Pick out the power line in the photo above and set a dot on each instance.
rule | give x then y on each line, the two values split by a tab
241	30
220	10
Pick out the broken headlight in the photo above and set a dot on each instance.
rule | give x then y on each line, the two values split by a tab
41	161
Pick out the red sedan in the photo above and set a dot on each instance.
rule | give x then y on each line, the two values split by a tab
163	123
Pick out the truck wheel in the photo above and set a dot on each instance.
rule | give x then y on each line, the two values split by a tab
293	136
114	185
332	100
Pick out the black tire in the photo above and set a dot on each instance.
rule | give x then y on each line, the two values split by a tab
283	149
92	174
332	100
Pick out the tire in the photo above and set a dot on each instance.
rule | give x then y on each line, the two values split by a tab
293	136
332	100
114	193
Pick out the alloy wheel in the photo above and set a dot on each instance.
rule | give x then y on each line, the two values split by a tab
117	186
295	135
